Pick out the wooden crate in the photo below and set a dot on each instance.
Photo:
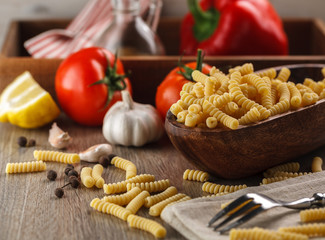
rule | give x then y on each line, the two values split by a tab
306	40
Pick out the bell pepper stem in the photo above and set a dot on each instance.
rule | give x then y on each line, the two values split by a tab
205	21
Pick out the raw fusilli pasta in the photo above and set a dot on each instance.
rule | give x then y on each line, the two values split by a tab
253	234
312	215
195	175
217	188
25	167
317	164
152	200
147	225
286	167
97	175
137	202
123	199
54	156
156	209
128	166
156	186
110	208
311	229
86	177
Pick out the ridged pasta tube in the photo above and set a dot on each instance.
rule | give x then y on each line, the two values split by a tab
86	177
199	76
292	236
284	74
311	229
136	203
128	166
316	165
97	175
146	224
25	167
258	82
312	215
195	175
54	156
156	209
121	186
295	94
286	167
123	199
273	179
218	188
253	115
252	234
152	200
110	208
271	73
156	186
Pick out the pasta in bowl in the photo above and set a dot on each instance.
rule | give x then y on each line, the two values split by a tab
235	148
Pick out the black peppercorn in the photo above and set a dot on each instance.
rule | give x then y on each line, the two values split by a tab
67	170
51	175
104	161
59	192
22	141
74	182
73	172
31	143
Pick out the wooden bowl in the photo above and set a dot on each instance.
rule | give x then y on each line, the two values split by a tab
256	147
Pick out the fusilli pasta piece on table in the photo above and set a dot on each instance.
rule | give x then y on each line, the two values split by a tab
54	156
123	199
86	177
292	236
317	164
146	224
152	200
312	215
127	165
218	188
286	167
110	208
25	167
156	209
136	203
252	234
97	175
195	175
156	186
273	179
311	229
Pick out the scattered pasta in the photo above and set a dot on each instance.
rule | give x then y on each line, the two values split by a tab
25	167
156	186
286	167
273	179
252	234
110	208
136	203
317	164
217	188
152	200
312	215
146	224
128	166
86	177
156	209
123	199
311	229
195	175
292	236
97	175
54	156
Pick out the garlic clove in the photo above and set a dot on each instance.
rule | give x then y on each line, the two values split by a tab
93	153
58	138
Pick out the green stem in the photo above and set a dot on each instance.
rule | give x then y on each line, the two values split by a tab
186	71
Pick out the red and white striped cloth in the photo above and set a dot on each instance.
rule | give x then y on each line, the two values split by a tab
86	27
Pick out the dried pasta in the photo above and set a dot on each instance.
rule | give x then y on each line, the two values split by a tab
191	119
195	175
199	76
253	115
312	215
181	116
217	188
152	200
256	81
123	199
68	158
252	234
317	164
284	74
137	202
286	167
198	90
86	177
156	209
121	186
313	85
292	236
146	224
311	229
25	167
271	73
295	95
156	186
97	175
309	99
289	174
110	208
128	166
273	179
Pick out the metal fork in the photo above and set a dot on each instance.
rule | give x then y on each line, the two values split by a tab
251	204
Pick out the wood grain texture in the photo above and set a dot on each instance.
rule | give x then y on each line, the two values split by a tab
253	148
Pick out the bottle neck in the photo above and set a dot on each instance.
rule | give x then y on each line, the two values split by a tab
125	10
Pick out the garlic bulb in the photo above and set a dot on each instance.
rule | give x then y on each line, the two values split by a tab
58	138
93	153
129	123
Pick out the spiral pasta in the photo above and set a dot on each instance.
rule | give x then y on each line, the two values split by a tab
198	90
295	95
97	175
271	73
136	203
181	116
317	164
312	215
128	166
292	236
146	224
156	209
86	177
311	229
273	179
156	186
195	175
286	167
252	234
256	81
121	186
284	74
110	208
217	188
289	174
253	115
152	200
199	76
25	167
68	158
123	199
313	85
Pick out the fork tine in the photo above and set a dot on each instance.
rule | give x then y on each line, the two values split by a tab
248	206
242	220
229	208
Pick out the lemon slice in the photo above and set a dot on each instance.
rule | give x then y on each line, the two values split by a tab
26	104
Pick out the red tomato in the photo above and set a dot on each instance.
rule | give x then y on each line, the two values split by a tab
168	91
80	100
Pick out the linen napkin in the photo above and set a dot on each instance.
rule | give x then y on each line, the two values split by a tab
83	30
190	218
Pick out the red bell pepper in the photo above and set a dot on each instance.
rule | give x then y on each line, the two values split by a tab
233	27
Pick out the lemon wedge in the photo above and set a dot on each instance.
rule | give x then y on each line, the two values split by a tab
26	104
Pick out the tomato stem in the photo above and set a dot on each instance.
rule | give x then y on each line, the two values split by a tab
186	71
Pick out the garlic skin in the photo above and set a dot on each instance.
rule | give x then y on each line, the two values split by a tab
129	123
93	153
58	138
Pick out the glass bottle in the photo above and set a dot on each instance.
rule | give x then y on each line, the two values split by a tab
128	33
